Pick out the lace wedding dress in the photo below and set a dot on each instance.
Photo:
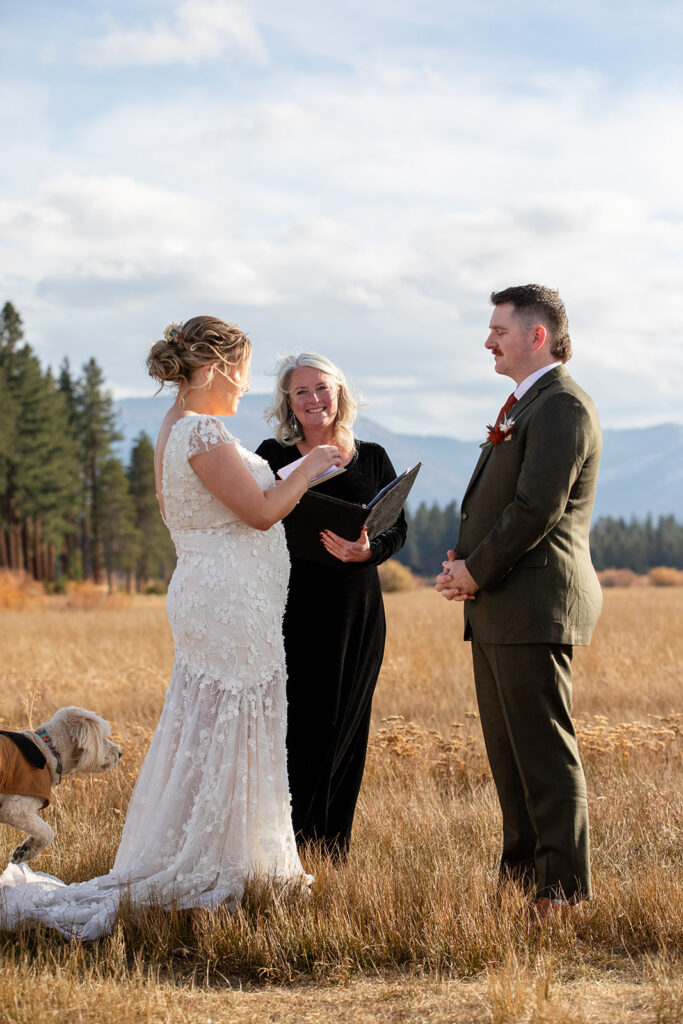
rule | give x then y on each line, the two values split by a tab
211	804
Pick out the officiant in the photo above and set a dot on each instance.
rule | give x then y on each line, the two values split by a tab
334	624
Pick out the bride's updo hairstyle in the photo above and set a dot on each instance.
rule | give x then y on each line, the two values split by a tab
201	341
280	415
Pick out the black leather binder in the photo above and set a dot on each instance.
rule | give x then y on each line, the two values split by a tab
316	512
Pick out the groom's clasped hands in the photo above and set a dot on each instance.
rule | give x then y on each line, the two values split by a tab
455	583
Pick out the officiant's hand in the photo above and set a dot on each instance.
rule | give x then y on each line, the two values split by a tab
456	583
347	550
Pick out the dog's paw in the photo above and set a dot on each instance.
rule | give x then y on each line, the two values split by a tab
25	852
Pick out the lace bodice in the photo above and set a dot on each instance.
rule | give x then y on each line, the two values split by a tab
226	598
187	503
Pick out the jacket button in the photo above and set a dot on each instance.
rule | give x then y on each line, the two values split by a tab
464	515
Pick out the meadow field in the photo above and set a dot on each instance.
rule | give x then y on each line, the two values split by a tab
413	927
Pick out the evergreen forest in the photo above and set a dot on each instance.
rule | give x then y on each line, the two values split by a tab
70	509
615	543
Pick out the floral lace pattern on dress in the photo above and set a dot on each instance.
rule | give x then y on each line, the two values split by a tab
211	804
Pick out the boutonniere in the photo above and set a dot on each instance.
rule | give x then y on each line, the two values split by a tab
501	432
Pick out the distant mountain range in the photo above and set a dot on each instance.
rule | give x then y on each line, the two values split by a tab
641	472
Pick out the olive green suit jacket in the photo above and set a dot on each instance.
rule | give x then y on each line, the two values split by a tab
525	521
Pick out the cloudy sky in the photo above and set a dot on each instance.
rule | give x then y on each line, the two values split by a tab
353	178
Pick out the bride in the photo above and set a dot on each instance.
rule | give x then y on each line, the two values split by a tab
211	805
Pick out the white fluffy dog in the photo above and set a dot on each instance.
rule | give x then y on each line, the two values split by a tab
74	740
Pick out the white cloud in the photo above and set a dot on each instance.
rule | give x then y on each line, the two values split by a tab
368	215
199	31
109	218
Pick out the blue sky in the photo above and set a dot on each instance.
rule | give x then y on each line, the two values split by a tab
354	179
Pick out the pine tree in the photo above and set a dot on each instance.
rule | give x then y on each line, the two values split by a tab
114	522
409	554
616	544
39	468
669	543
157	555
11	332
11	329
66	384
431	532
97	432
72	555
8	421
44	471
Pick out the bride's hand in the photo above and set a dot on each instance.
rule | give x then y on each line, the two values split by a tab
320	460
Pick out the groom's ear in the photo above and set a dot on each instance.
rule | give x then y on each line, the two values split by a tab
540	336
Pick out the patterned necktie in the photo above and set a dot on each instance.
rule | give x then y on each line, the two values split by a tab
505	410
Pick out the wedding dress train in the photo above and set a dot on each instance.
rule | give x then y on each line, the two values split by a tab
211	805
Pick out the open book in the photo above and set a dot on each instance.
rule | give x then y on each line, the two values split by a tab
316	512
284	471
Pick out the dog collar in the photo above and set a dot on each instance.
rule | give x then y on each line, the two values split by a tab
47	739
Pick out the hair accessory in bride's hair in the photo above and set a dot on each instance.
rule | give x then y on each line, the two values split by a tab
173	333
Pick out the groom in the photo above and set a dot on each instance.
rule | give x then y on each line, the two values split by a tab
524	571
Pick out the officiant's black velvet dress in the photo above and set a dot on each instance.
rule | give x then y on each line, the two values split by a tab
334	642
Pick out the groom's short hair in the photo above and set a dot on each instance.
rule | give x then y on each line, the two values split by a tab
536	304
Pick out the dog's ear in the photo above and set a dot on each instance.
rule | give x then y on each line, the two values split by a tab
82	725
87	732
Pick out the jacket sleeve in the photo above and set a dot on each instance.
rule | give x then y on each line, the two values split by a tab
558	439
392	540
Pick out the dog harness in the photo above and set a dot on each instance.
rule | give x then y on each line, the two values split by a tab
23	768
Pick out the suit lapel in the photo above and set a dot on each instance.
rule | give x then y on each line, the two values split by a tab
481	462
526	399
535	390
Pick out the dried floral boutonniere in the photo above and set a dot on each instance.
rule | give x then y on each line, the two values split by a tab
501	432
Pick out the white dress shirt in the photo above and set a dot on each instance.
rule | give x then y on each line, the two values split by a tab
522	388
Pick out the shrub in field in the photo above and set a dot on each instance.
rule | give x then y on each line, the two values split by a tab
18	590
83	596
663	576
662	735
621	578
393	576
456	760
60	585
158	587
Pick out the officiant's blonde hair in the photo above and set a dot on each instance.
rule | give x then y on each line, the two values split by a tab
280	416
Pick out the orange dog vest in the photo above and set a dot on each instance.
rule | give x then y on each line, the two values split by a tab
19	777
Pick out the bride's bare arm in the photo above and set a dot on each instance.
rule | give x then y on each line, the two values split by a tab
223	471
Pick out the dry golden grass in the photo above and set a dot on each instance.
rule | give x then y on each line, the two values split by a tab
413	927
83	994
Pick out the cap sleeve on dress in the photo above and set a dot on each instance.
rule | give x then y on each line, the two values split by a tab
207	433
